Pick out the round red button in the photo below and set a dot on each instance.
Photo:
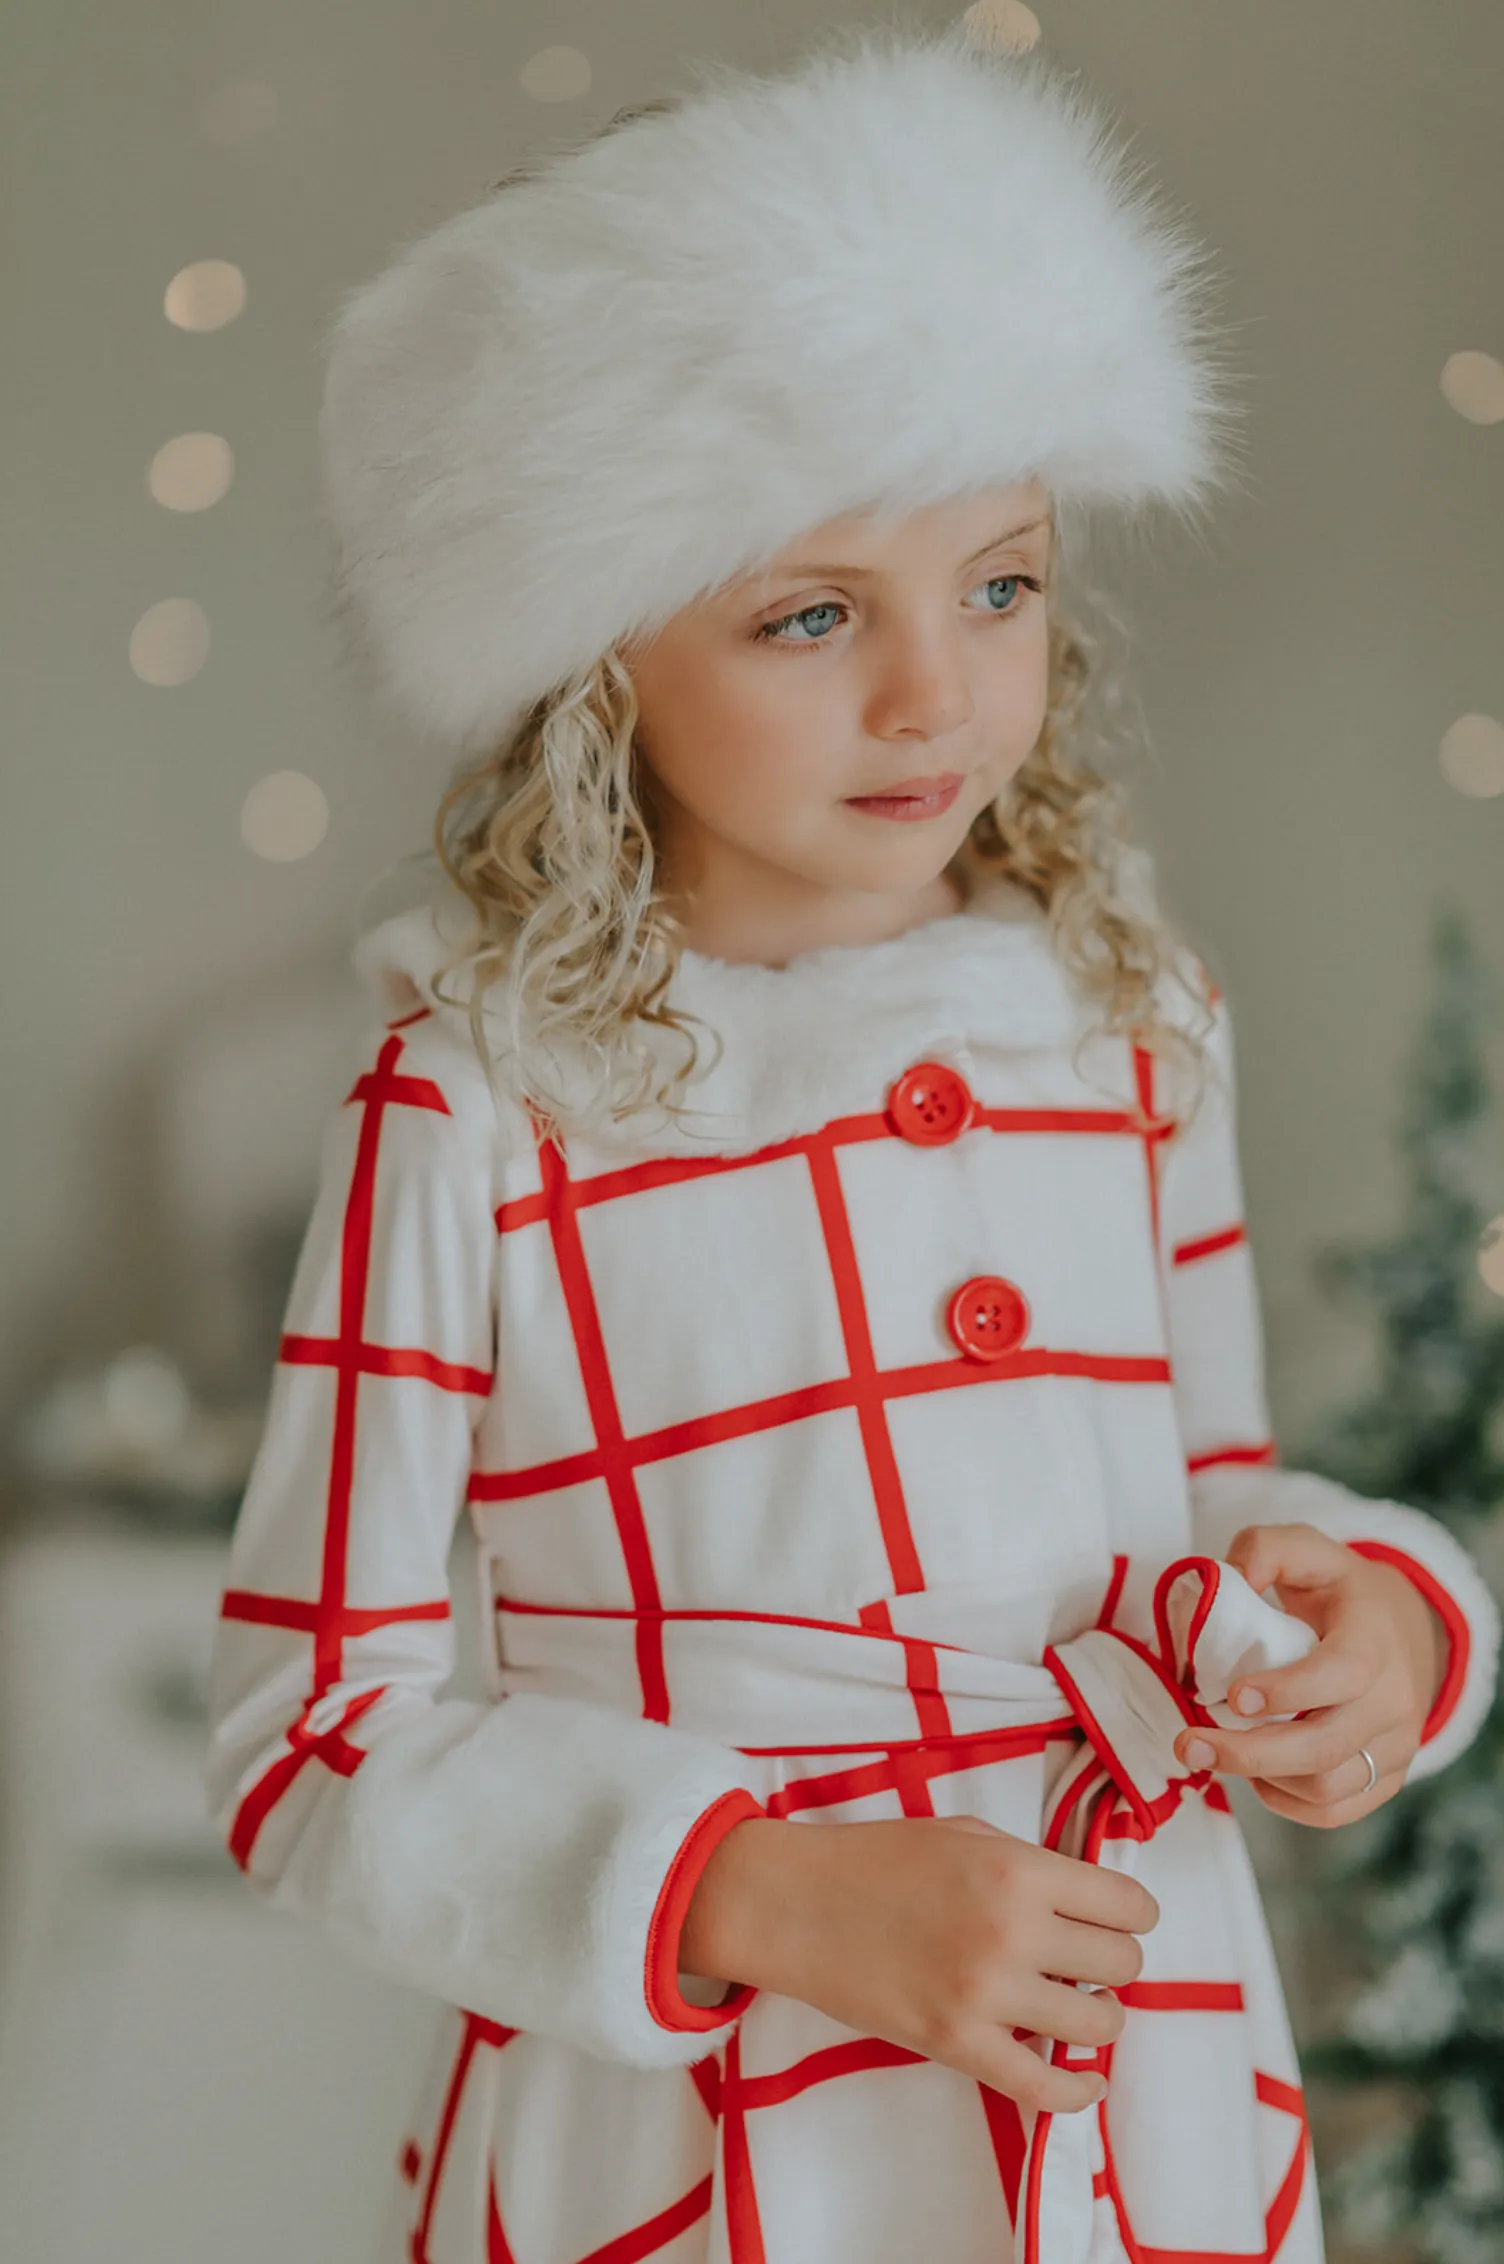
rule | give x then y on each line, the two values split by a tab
988	1317
930	1104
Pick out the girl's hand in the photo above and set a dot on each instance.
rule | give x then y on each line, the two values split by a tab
941	1934
1370	1681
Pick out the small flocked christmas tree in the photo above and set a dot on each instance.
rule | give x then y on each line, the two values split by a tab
1414	1895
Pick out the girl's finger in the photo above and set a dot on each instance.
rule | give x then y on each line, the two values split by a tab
1349	1780
1288	1557
1005	2065
1071	2016
1287	1749
1325	1816
1337	1671
1091	1953
1100	1897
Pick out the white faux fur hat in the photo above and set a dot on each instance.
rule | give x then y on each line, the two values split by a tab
910	268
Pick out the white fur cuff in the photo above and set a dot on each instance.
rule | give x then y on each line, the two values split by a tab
509	1857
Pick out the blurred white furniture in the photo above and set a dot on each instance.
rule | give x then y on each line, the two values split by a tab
185	2078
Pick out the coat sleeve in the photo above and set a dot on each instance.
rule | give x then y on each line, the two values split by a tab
1217	1357
530	1858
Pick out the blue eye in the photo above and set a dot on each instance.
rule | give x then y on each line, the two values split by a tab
1003	582
771	631
1015	582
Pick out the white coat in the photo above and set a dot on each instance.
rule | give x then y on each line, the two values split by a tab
869	1452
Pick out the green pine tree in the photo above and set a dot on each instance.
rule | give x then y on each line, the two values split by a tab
1412	1899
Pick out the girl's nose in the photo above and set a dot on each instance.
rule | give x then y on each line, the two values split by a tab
922	689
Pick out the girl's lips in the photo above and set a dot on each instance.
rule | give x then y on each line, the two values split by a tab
912	797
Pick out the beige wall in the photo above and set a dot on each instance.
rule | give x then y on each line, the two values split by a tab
1297	667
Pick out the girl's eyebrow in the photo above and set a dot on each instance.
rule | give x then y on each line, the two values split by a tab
858	573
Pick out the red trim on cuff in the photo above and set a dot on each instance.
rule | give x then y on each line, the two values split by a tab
666	2001
1453	1618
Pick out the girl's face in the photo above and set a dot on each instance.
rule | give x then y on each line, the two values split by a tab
820	735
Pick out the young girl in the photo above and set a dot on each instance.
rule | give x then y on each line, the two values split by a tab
792	1200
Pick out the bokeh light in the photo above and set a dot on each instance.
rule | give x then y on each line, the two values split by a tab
192	471
205	296
1007	24
556	74
1472	755
1473	384
170	642
285	816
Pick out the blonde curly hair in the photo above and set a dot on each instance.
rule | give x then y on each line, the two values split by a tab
551	839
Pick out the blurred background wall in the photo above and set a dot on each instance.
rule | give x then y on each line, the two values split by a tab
198	814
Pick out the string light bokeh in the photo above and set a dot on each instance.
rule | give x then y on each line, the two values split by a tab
205	295
1006	24
285	816
191	472
170	642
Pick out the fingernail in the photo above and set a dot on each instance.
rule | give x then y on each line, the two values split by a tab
1249	1700
1197	1754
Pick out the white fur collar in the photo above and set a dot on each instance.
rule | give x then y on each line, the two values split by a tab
823	1036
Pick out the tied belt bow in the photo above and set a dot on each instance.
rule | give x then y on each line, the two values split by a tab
1083	2189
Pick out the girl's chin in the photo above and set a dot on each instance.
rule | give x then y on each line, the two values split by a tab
904	848
890	876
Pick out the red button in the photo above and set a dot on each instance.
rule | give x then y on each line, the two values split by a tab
988	1317
930	1104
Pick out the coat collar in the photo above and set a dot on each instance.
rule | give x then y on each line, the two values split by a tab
823	1036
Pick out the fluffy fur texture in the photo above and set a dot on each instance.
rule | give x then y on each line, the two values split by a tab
809	1041
907	269
509	1857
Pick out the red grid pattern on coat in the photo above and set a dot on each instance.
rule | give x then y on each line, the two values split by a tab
1209	1245
1278	2217
908	1769
865	1388
921	1671
328	1619
1192	1253
474	2032
605	1416
637	2242
303	1745
729	2096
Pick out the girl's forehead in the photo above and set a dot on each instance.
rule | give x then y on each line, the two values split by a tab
957	527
